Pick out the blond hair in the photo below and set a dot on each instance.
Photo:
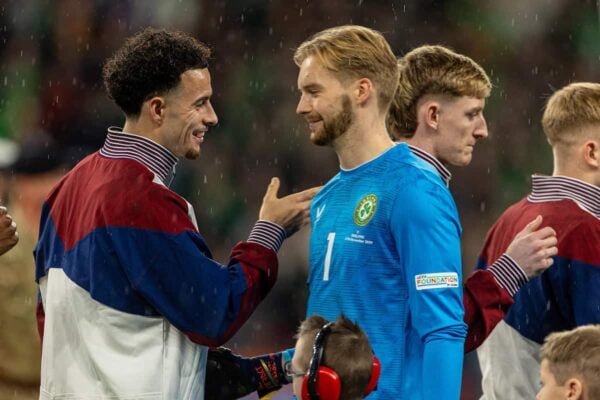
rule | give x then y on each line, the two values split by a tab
432	70
355	52
346	351
569	109
575	353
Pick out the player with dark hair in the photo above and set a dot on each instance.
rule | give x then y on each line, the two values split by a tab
566	295
130	295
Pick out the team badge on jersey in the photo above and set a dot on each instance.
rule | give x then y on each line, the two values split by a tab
365	210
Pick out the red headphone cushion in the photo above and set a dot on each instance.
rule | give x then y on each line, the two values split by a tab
329	385
375	372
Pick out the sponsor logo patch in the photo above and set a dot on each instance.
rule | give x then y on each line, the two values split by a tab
436	280
365	210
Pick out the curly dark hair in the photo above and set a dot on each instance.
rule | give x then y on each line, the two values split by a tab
151	63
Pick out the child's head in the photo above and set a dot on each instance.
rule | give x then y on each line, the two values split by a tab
571	365
344	349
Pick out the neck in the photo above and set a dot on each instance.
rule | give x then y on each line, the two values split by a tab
421	142
566	166
362	143
140	128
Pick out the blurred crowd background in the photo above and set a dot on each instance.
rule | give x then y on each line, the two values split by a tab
54	111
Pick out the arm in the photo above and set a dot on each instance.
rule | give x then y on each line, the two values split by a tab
169	264
427	231
486	303
176	275
231	376
488	293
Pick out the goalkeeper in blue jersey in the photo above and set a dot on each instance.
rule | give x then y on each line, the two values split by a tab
385	242
385	247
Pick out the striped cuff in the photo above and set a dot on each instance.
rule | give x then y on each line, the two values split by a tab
267	234
508	274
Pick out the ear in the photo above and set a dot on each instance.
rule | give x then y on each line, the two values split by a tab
591	153
428	114
363	91
156	109
574	388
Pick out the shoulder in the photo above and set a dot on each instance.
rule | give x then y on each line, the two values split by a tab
580	241
515	212
126	193
410	173
327	189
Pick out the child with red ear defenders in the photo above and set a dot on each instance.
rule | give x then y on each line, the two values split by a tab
331	361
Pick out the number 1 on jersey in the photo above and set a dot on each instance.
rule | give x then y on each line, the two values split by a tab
330	239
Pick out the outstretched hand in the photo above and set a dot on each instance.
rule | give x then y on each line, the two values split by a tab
533	249
291	212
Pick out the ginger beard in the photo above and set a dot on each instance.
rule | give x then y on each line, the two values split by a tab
334	127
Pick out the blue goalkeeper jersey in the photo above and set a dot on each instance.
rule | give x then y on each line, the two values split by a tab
385	251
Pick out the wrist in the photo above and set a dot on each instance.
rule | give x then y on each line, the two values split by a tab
267	234
508	273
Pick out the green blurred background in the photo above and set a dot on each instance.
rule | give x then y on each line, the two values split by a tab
53	111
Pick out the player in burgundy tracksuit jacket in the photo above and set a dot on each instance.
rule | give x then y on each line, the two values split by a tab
567	295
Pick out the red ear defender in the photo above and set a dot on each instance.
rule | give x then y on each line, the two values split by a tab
375	372
329	385
323	383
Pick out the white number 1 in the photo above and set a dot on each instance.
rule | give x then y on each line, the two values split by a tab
330	239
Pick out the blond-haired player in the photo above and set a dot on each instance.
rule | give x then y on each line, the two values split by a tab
438	111
385	247
566	295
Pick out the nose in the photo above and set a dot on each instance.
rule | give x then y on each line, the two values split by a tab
481	130
303	105
211	118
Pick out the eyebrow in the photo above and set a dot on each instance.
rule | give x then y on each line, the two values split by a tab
201	99
475	109
311	86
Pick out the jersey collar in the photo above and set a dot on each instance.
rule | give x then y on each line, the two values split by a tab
154	156
439	167
555	188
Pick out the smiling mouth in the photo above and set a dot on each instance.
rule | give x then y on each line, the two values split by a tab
198	136
313	124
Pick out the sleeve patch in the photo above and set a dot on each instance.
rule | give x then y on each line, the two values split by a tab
437	280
